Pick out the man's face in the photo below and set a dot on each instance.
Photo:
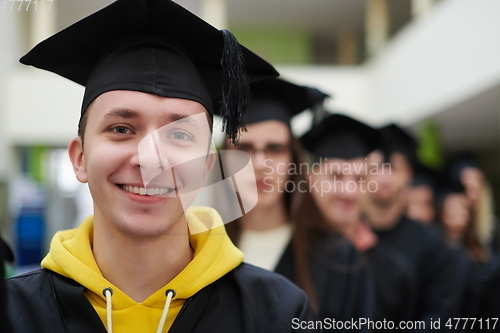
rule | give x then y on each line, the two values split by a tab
340	191
141	151
392	180
421	204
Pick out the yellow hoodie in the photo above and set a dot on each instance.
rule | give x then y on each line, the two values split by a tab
214	255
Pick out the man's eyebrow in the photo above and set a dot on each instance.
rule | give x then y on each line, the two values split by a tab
122	113
171	118
181	118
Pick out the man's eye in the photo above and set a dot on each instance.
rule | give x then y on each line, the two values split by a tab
121	129
245	147
275	148
180	136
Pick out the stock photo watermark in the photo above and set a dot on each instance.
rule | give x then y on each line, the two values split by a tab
25	5
179	163
331	176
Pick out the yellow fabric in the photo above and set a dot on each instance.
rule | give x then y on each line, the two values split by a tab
214	255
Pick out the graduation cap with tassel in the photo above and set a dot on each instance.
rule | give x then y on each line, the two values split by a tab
156	47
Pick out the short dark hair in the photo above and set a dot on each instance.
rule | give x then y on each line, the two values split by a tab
82	125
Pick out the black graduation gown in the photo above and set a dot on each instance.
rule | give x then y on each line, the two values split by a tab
5	255
441	273
395	282
482	295
340	279
247	300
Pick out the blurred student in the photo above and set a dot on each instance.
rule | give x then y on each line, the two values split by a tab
278	235
461	231
422	195
456	220
440	272
340	146
465	171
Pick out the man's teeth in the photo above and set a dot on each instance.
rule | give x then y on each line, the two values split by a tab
146	191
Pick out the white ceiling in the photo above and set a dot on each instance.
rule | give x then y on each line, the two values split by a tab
317	15
473	124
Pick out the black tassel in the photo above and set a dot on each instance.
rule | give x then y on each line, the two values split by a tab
319	112
235	89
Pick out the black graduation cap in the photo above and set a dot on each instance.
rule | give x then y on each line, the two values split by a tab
339	136
397	140
280	100
448	188
425	176
157	47
457	165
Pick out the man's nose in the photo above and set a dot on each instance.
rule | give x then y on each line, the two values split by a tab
150	159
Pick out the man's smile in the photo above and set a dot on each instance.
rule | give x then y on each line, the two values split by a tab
150	191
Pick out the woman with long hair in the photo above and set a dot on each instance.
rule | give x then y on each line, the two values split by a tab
285	232
468	229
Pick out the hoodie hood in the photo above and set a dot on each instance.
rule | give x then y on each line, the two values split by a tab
214	256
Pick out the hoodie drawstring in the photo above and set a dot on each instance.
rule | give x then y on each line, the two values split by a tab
108	292
170	293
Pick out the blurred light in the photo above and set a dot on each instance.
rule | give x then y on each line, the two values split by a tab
66	181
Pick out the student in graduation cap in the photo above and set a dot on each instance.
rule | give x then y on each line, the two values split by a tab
5	256
151	70
465	171
340	146
461	231
440	272
422	195
273	235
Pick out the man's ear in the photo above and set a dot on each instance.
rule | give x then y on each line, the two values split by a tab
75	152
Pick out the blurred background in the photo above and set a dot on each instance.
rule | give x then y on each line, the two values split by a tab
432	66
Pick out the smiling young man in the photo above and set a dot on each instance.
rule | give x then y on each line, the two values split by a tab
153	73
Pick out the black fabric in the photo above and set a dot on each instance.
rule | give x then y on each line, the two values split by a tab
280	100
482	295
340	279
150	64
339	136
396	284
441	273
424	176
5	256
247	300
454	168
396	140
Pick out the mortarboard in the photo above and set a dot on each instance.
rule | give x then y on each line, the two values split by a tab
396	140
456	166
339	136
156	47
280	100
447	189
424	176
